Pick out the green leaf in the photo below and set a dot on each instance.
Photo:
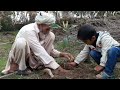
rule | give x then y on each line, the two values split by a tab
55	26
65	42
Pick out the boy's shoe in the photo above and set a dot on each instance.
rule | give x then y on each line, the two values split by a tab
24	72
104	75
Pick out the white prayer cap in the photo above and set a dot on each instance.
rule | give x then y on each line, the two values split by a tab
45	18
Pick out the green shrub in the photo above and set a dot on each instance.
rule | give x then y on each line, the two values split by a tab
6	24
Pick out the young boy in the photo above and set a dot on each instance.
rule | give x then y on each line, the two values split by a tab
101	47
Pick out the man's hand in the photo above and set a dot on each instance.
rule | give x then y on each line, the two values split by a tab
67	55
99	68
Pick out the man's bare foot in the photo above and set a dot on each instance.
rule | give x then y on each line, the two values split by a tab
13	68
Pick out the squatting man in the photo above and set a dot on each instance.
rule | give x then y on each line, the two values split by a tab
33	47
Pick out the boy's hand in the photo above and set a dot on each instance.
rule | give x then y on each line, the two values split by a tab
99	68
68	56
73	64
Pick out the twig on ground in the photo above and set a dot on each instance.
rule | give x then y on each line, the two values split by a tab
7	75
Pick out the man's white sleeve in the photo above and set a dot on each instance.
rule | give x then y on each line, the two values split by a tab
54	52
37	49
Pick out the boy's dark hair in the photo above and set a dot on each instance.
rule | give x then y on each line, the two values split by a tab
86	32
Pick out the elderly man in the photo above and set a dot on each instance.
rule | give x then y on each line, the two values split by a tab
34	45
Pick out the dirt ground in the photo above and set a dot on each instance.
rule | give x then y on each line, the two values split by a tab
85	70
